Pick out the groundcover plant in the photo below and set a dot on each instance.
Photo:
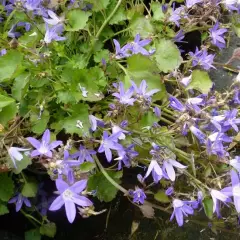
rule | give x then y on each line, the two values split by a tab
91	89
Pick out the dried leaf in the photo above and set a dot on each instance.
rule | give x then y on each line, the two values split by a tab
147	210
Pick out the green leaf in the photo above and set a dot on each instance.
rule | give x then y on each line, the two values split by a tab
8	113
87	166
39	124
99	4
77	19
79	113
208	207
119	16
167	55
147	120
33	234
92	79
158	14
142	67
30	188
236	24
141	25
20	86
3	209
200	81
105	191
22	164
6	187
161	197
48	229
5	101
103	54
9	64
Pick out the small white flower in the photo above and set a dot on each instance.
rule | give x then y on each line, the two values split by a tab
238	78
79	124
84	91
14	153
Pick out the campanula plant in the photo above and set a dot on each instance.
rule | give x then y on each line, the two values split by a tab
92	92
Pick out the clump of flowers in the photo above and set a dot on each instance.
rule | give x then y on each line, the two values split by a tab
86	103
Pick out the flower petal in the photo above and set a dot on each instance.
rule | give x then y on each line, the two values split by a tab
54	144
176	164
170	170
82	201
61	185
70	210
34	142
46	136
79	186
56	204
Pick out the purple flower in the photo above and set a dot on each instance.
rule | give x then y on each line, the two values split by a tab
186	80
84	154
180	209
26	25
12	32
15	155
125	97
53	33
190	3
179	37
235	163
231	119
216	148
54	19
19	199
116	129
32	4
138	195
95	122
125	155
217	36
121	52
156	171
169	191
141	91
177	15
176	104
235	190
217	196
198	134
3	52
108	143
69	196
138	46
168	166
157	111
44	147
202	58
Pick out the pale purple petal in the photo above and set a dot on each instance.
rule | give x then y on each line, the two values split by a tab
56	204
61	185
82	201
79	186
34	142
177	164
35	153
70	210
54	144
170	170
46	136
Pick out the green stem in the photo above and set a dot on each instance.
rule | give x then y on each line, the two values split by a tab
108	18
109	178
30	218
196	180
